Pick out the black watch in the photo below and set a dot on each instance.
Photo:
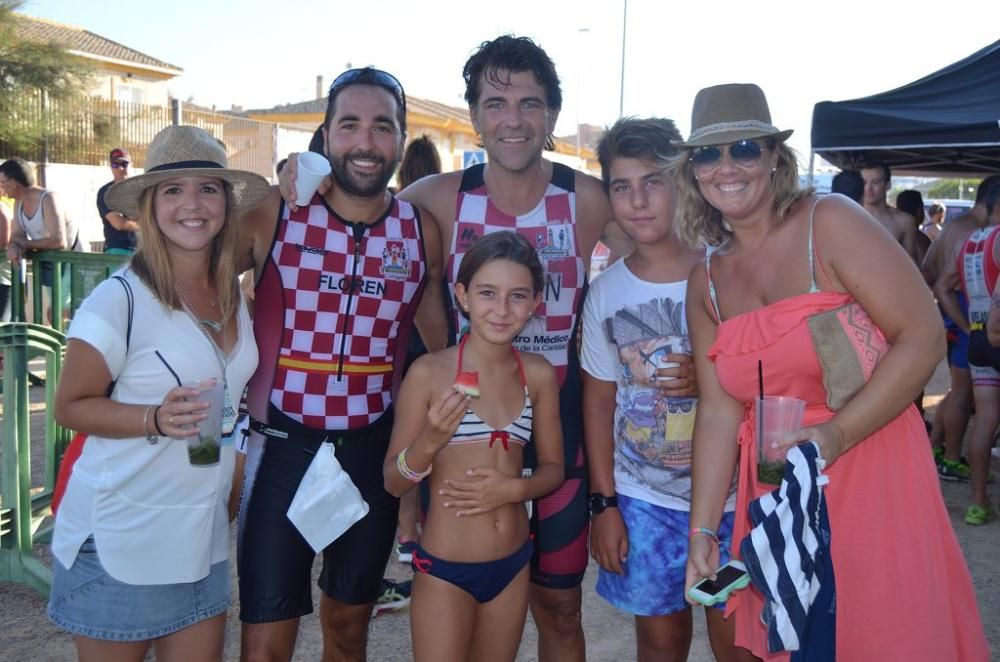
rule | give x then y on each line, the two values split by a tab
599	503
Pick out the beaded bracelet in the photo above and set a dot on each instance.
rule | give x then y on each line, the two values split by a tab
150	436
705	532
408	473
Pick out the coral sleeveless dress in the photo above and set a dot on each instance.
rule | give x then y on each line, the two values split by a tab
903	590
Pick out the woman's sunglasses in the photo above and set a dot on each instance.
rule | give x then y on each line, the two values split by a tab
745	153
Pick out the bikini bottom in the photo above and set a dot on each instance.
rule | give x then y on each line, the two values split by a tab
484	580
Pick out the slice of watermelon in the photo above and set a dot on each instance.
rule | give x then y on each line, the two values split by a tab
468	383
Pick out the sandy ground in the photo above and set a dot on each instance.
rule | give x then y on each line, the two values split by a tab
25	633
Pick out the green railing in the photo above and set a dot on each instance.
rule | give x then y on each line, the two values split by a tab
80	273
26	503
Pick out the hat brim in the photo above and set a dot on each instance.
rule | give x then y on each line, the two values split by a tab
727	137
249	189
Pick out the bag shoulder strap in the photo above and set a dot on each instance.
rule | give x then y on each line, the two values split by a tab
128	327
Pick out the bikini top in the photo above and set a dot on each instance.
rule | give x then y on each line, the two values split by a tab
473	429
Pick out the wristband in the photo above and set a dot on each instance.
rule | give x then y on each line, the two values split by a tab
156	421
705	532
408	473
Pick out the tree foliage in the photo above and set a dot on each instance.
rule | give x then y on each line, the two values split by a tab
949	188
31	71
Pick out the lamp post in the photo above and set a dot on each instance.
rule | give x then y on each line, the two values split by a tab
579	89
621	92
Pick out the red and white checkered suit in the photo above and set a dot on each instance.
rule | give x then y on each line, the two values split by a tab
331	305
551	229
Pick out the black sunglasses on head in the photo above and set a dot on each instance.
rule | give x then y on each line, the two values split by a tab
370	76
744	153
119	164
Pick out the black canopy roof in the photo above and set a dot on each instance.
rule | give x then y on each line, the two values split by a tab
947	123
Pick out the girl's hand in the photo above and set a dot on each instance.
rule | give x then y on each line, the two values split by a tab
487	490
702	561
828	436
180	412
443	417
678	381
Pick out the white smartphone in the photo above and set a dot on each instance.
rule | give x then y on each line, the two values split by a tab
730	577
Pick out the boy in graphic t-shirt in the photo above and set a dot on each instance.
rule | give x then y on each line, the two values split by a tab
639	401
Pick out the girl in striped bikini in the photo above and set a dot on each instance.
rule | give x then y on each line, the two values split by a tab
470	588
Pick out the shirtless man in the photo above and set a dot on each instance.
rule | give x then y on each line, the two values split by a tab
900	225
514	99
940	270
979	264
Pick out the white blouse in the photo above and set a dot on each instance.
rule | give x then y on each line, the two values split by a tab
155	518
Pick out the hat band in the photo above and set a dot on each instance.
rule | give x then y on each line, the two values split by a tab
184	165
745	125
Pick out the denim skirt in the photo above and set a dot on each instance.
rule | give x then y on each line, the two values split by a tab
88	602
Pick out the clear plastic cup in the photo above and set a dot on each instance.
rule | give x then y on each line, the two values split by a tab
673	345
311	170
204	447
776	416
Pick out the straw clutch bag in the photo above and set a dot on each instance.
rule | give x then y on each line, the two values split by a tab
849	345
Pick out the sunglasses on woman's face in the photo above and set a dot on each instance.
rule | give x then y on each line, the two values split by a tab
745	153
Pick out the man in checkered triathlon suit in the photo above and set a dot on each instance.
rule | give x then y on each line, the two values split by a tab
339	281
514	99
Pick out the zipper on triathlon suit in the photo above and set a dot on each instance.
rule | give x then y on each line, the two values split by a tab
359	235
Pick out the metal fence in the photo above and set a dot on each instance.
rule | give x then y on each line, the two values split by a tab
80	131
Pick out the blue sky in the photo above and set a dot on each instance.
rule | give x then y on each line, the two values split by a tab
257	53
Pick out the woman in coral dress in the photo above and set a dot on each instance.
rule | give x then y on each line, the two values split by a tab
903	590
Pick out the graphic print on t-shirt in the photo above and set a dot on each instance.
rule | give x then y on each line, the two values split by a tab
653	433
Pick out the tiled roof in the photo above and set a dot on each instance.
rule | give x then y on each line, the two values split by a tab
413	104
84	42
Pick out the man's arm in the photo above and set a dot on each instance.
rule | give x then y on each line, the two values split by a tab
430	317
437	194
4	228
17	237
944	291
908	238
257	228
595	220
993	321
121	222
54	227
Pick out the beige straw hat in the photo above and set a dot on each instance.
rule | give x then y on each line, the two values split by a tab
186	151
725	114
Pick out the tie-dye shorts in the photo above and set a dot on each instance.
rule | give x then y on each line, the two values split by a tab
653	583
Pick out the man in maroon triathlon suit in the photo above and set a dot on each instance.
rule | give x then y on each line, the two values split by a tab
514	99
338	283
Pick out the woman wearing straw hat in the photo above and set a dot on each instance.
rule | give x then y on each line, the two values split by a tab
784	257
141	539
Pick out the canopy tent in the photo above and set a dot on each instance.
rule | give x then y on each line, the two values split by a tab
947	123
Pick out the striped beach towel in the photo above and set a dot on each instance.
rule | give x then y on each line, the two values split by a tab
787	554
